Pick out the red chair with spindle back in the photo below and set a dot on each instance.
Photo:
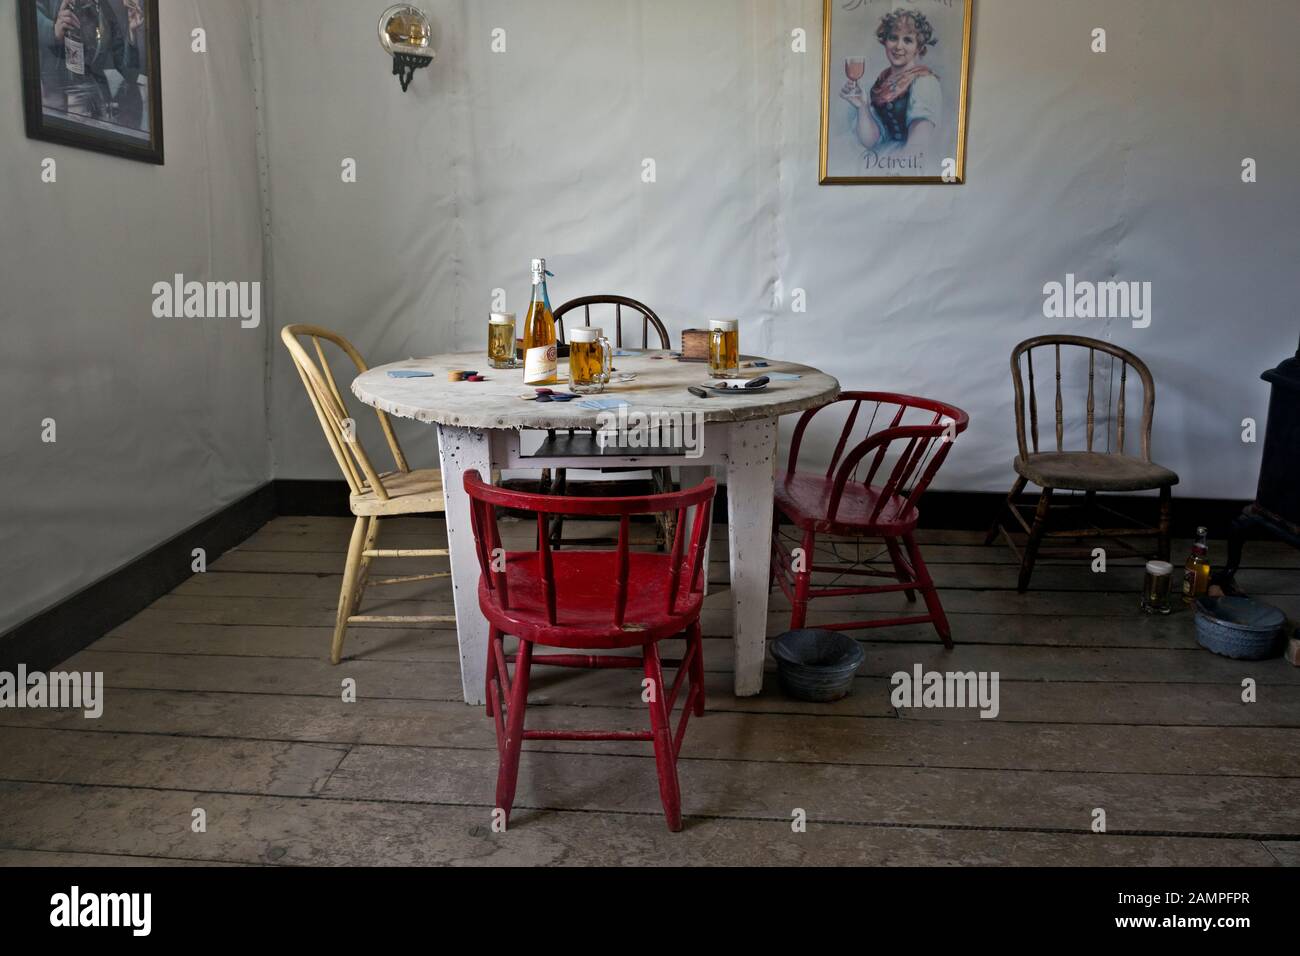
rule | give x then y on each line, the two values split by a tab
836	503
592	601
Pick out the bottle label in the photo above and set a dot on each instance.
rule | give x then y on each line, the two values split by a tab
74	56
1189	583
540	365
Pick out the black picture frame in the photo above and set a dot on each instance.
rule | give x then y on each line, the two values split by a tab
45	122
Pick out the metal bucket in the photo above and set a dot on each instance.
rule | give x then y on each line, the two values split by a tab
1239	627
816	664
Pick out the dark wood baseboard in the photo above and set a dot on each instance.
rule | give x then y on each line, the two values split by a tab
950	510
55	634
974	510
311	499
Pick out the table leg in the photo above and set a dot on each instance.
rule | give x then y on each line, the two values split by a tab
462	450
693	476
751	474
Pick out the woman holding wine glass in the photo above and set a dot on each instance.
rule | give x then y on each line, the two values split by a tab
906	101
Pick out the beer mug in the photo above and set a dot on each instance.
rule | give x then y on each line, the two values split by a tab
501	340
591	359
724	348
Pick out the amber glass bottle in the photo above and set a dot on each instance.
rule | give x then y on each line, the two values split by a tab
540	350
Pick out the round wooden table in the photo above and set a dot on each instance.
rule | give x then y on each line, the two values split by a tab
479	424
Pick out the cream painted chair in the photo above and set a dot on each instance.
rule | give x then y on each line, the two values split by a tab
374	495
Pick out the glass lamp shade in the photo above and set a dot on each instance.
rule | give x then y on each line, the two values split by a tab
404	29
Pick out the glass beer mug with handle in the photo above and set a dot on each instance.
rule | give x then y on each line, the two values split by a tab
724	348
591	360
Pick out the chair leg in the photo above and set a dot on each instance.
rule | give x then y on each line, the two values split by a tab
928	591
363	576
1035	539
351	572
1166	507
900	570
665	521
508	770
1016	490
697	668
803	583
665	760
557	521
490	693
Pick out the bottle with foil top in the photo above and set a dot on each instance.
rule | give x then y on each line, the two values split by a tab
1196	573
540	341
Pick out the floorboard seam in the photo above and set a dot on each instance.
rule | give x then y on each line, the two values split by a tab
717	710
128	856
490	747
783	821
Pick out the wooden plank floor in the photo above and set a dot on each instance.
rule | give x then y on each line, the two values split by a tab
220	697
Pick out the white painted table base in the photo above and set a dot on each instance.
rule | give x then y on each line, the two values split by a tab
745	451
483	435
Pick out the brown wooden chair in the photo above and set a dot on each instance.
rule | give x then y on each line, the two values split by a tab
619	302
1090	470
374	495
571	444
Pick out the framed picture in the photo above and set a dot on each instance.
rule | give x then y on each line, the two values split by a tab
895	79
91	76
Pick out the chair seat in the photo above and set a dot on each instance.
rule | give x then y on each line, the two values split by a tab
805	500
412	492
1093	471
585	592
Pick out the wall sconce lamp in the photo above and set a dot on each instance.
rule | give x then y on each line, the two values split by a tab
407	36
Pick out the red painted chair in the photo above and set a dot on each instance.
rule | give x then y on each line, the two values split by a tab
592	601
837	503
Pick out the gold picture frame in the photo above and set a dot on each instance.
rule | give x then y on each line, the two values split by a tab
957	175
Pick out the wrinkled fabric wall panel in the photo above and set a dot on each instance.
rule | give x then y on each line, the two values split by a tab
1116	166
159	422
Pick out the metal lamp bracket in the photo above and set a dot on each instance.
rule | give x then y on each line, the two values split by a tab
405	65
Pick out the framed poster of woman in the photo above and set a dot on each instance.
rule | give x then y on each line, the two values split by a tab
898	112
91	76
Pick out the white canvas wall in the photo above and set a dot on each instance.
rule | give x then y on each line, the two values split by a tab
1121	165
159	422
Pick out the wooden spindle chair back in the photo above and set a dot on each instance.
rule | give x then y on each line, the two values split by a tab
685	568
1110	397
636	310
326	398
901	457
